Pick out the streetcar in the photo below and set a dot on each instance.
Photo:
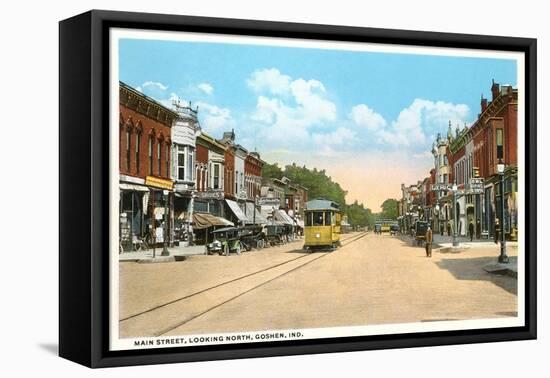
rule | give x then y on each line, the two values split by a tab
322	224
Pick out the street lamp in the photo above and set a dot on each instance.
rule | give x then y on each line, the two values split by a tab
503	258
165	251
455	220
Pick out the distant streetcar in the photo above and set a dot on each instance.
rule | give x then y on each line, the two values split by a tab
322	224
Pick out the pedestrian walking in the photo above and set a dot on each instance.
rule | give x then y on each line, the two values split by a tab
429	241
478	229
471	229
497	230
449	226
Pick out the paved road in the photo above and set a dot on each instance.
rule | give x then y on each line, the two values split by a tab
370	280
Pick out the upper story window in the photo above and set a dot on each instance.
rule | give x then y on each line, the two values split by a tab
181	163
138	142
216	182
190	163
150	154
128	144
159	164
500	144
167	159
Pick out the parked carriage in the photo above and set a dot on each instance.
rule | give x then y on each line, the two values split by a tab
322	224
276	233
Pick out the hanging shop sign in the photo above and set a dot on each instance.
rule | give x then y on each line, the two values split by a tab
158	182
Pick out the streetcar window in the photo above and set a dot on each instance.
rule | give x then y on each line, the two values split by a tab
309	219
318	218
328	218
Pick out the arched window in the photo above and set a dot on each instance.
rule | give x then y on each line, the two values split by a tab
128	144
167	158
150	154
159	154
138	148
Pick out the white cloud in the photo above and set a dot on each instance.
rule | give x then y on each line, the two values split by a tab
414	125
168	102
270	80
206	88
421	117
284	104
362	115
338	137
153	85
214	118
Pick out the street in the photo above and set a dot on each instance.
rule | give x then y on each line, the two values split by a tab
371	279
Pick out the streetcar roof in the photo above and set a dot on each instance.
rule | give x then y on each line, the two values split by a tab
322	204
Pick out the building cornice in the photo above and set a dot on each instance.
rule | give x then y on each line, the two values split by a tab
145	105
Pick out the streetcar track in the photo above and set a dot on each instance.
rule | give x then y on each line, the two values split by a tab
168	329
158	307
171	328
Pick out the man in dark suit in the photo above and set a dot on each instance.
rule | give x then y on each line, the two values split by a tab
429	241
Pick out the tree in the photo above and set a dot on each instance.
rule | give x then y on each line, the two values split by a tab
272	171
389	209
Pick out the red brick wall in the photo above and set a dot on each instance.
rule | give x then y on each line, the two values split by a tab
511	135
202	154
138	124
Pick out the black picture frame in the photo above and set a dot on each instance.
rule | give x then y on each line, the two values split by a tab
84	199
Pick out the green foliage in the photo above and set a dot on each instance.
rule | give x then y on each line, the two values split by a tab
358	215
320	185
389	209
272	171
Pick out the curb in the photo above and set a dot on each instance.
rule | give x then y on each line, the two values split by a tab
501	270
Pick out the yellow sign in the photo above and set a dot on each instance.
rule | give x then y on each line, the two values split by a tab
158	182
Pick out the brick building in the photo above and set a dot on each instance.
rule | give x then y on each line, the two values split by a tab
146	187
210	169
495	139
253	175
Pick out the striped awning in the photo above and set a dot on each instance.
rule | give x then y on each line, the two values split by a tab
234	206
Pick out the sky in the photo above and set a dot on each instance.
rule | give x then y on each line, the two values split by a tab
368	118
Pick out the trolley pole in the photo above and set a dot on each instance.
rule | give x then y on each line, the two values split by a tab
503	258
165	251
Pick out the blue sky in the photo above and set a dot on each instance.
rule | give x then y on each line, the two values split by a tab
371	115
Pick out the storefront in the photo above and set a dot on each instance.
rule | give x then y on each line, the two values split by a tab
131	214
160	215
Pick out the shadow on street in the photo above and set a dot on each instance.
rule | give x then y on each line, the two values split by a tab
472	269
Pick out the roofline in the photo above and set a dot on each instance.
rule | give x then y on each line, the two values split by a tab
141	94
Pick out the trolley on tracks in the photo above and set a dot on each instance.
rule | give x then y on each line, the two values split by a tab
322	224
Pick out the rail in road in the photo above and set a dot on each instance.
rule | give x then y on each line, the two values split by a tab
167	317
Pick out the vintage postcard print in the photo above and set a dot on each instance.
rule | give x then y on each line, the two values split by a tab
270	189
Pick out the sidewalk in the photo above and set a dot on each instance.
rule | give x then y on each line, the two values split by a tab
464	241
175	254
